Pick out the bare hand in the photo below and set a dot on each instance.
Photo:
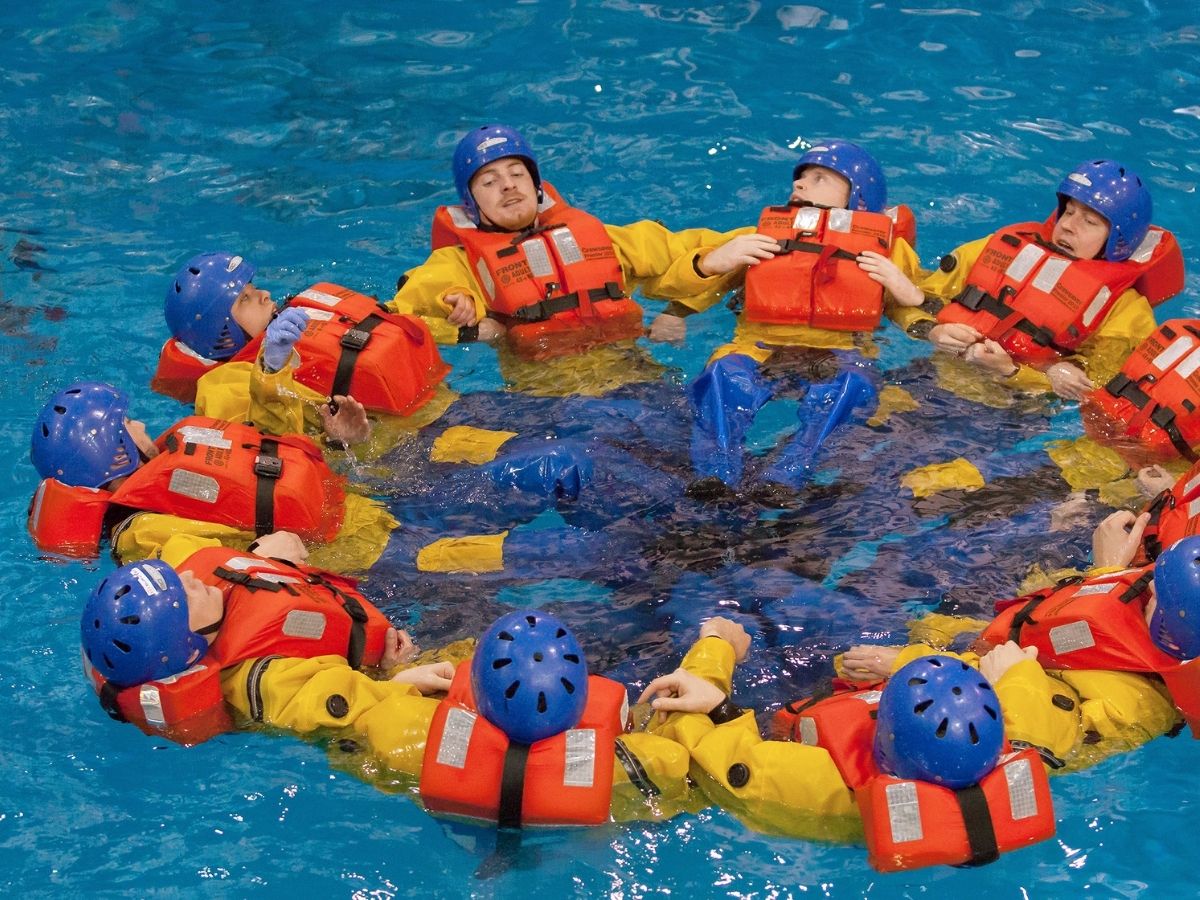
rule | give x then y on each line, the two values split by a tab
282	545
398	648
990	356
490	330
744	250
954	337
730	632
462	309
668	329
1116	540
999	660
1068	381
681	691
428	679
869	662
349	424
1153	480
879	268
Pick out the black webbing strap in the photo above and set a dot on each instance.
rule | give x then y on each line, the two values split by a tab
1164	501
791	245
353	342
1138	588
1123	387
267	469
512	786
356	645
540	312
1024	617
638	776
245	579
977	299
108	701
981	836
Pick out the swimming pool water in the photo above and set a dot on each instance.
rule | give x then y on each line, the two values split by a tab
316	142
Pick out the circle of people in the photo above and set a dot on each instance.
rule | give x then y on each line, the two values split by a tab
217	614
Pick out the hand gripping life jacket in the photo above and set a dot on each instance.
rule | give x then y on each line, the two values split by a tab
387	362
558	287
910	824
471	769
1040	304
815	279
1174	514
272	609
206	469
1097	623
1153	403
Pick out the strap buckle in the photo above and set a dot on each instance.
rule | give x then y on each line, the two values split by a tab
355	339
268	466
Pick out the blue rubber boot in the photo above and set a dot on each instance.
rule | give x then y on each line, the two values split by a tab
725	399
825	407
555	470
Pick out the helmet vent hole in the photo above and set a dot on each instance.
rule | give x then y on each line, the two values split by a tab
541	704
45	431
500	663
122	591
537	657
532	620
131	620
942	728
107	662
913	682
991	712
122	646
504	636
922	706
61	410
571	658
568	686
974	733
936	663
561	633
74	390
194	270
956	690
512	689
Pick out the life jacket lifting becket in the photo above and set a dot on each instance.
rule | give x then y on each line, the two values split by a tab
1096	623
351	345
910	824
1154	401
558	288
272	609
1040	304
815	279
471	769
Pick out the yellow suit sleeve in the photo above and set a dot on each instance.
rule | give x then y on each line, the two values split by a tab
660	262
157	535
281	405
223	392
1120	711
1039	709
446	271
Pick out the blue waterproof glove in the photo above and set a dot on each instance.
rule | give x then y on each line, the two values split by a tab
283	332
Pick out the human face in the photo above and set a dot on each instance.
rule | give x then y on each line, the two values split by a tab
505	194
205	603
141	438
1080	231
821	187
253	310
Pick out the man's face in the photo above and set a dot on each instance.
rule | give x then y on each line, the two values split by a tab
821	187
1080	230
505	194
252	310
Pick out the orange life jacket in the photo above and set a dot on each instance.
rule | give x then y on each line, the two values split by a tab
272	609
471	769
1174	514
1150	410
206	469
387	362
815	280
910	824
1040	304
1097	623
558	288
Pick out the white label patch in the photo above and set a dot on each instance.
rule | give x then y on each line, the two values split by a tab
320	297
904	813
304	624
1071	637
808	732
456	737
204	437
233	263
1023	263
1021	795
580	766
142	575
191	484
807	219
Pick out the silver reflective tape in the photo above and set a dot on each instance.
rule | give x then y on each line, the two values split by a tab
546	202
194	485
1192	484
892	213
580	765
870	696
808	732
1098	305
1103	587
456	736
1023	263
567	246
807	219
1147	247
485	279
1193	508
1021	795
35	516
205	437
1175	351
151	703
1071	637
190	670
1188	367
320	297
538	257
321	315
904	813
304	624
840	220
459	217
188	351
1049	274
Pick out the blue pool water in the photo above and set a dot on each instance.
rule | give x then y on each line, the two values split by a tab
316	143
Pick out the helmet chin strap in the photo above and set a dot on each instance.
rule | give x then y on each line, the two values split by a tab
210	629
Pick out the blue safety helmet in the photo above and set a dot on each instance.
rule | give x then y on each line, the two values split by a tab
1175	623
939	720
529	676
868	187
80	436
482	146
1118	194
199	303
134	626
